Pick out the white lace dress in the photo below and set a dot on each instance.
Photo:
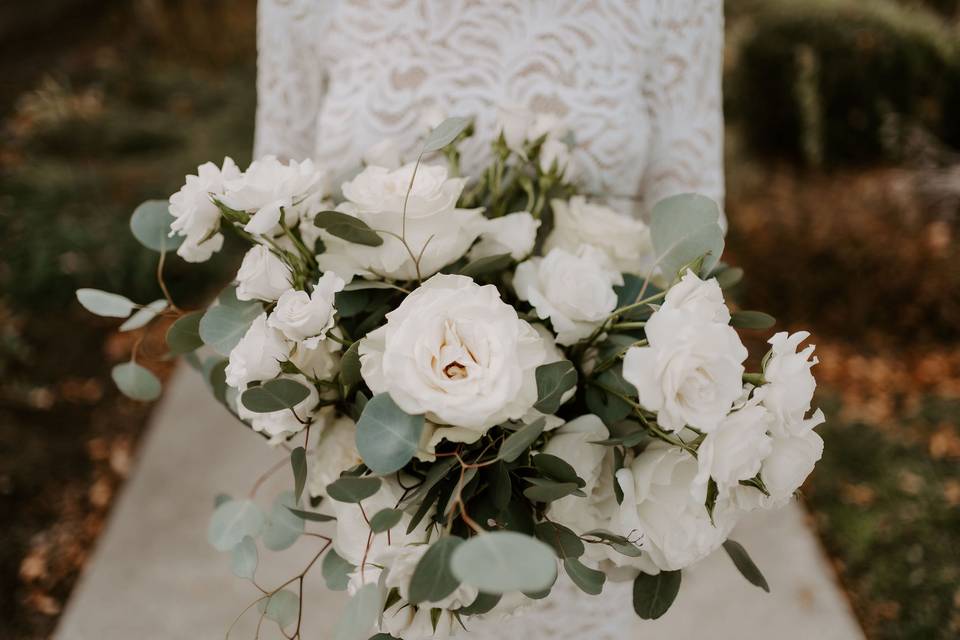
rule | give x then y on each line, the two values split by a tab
638	81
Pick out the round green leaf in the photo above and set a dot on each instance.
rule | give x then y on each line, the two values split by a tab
683	228
104	303
353	489
144	315
136	382
232	521
484	603
385	519
150	224
564	541
556	469
336	571
311	515
283	526
445	133
553	380
348	228
298	461
350	366
432	579
504	561
244	557
183	336
387	436
283	607
729	277
359	615
487	265
274	395
653	595
745	565
752	320
223	325
520	440
548	490
589	580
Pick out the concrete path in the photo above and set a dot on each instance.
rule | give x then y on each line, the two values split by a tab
153	576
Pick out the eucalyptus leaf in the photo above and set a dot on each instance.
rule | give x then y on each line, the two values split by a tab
223	325
553	380
136	382
104	303
605	405
519	441
589	580
183	336
487	265
359	615
653	595
298	462
556	469
150	224
347	227
683	228
729	277
336	571
745	565
565	542
274	395
484	603
283	527
283	607
243	558
752	320
503	561
144	315
311	515
548	490
501	486
232	521
350	366
432	579
387	437
385	519
445	133
352	489
217	379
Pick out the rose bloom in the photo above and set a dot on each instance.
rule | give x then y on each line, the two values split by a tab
624	239
434	224
702	298
196	217
453	350
334	453
574	290
663	502
267	186
257	356
262	275
790	383
691	372
307	317
736	448
514	234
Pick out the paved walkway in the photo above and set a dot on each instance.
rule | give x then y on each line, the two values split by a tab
153	576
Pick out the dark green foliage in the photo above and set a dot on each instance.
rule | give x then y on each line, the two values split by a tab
843	82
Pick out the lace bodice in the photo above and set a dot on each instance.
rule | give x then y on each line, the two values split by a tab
638	81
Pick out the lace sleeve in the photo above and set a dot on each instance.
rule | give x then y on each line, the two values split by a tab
290	78
684	97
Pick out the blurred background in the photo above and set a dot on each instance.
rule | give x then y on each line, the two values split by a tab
843	180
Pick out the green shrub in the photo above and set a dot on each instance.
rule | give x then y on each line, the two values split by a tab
835	82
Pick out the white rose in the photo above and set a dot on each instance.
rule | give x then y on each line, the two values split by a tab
691	372
736	448
303	316
320	362
514	233
262	275
702	298
267	186
792	458
515	122
334	453
257	356
435	228
385	153
663	502
453	350
624	239
280	425
574	290
555	153
197	218
790	383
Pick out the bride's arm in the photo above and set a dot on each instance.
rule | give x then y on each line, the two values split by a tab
290	78
684	95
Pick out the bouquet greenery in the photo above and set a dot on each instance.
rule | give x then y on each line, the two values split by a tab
481	381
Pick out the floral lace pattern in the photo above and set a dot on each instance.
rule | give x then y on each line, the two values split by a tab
639	80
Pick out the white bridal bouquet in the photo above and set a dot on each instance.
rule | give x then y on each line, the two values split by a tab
481	381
